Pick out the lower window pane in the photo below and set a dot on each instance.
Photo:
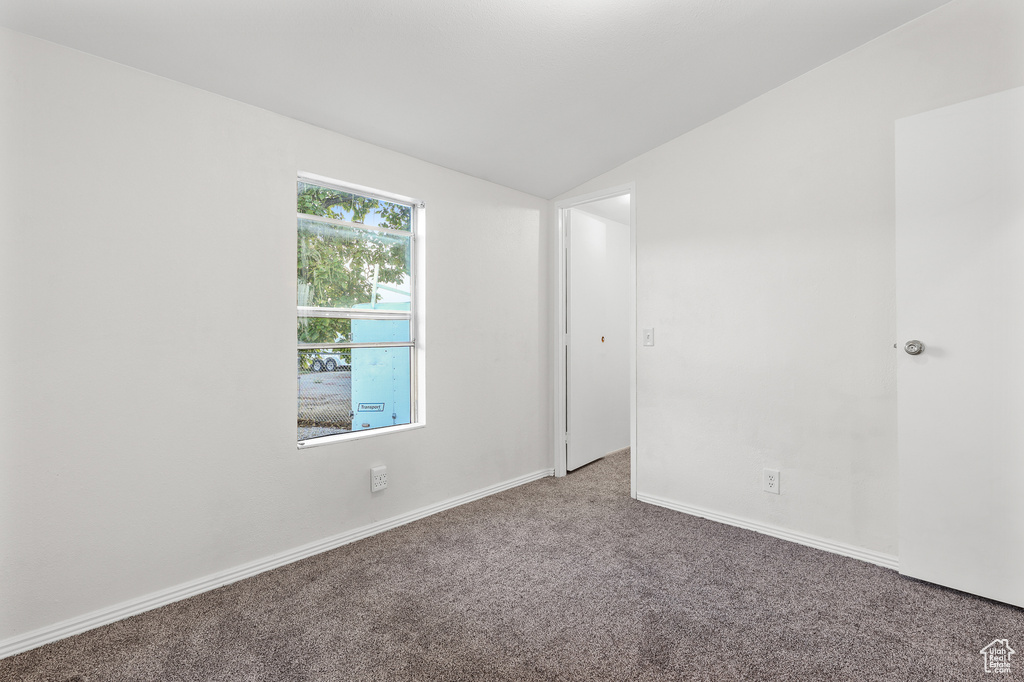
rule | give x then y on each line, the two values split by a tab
353	389
325	393
380	387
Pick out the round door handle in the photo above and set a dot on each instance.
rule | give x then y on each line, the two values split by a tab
914	347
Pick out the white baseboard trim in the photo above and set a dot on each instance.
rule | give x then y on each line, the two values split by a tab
105	616
870	556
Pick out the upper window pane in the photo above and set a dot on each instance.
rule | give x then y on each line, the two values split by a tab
333	203
341	266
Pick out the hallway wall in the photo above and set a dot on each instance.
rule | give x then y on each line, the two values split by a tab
765	248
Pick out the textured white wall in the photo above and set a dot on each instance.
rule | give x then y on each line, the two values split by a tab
147	380
765	248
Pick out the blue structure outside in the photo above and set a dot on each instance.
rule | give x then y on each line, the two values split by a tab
381	387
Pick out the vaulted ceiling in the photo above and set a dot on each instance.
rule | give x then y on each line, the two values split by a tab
538	95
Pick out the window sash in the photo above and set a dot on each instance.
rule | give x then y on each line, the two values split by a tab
313	179
374	344
411	315
354	313
351	225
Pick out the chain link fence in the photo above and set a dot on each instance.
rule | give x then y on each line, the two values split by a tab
324	394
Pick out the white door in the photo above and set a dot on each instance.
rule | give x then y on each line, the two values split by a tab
960	283
598	339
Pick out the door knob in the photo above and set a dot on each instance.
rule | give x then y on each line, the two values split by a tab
914	347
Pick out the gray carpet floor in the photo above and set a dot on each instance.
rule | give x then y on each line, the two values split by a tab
560	579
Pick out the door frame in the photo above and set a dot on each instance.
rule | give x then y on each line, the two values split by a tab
561	336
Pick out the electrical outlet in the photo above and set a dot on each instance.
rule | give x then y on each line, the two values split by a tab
770	481
378	478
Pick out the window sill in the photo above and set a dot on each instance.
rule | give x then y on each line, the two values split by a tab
357	435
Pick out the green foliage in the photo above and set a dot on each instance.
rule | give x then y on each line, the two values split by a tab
323	330
337	265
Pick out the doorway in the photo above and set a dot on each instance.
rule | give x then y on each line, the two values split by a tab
596	337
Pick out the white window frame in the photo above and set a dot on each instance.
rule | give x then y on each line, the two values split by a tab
416	316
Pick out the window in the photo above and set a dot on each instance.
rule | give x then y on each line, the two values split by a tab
357	314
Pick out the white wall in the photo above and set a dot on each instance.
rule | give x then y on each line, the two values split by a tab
765	249
599	333
147	379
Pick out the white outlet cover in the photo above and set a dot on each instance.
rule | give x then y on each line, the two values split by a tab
770	481
378	478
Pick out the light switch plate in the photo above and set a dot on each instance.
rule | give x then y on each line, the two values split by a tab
649	337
